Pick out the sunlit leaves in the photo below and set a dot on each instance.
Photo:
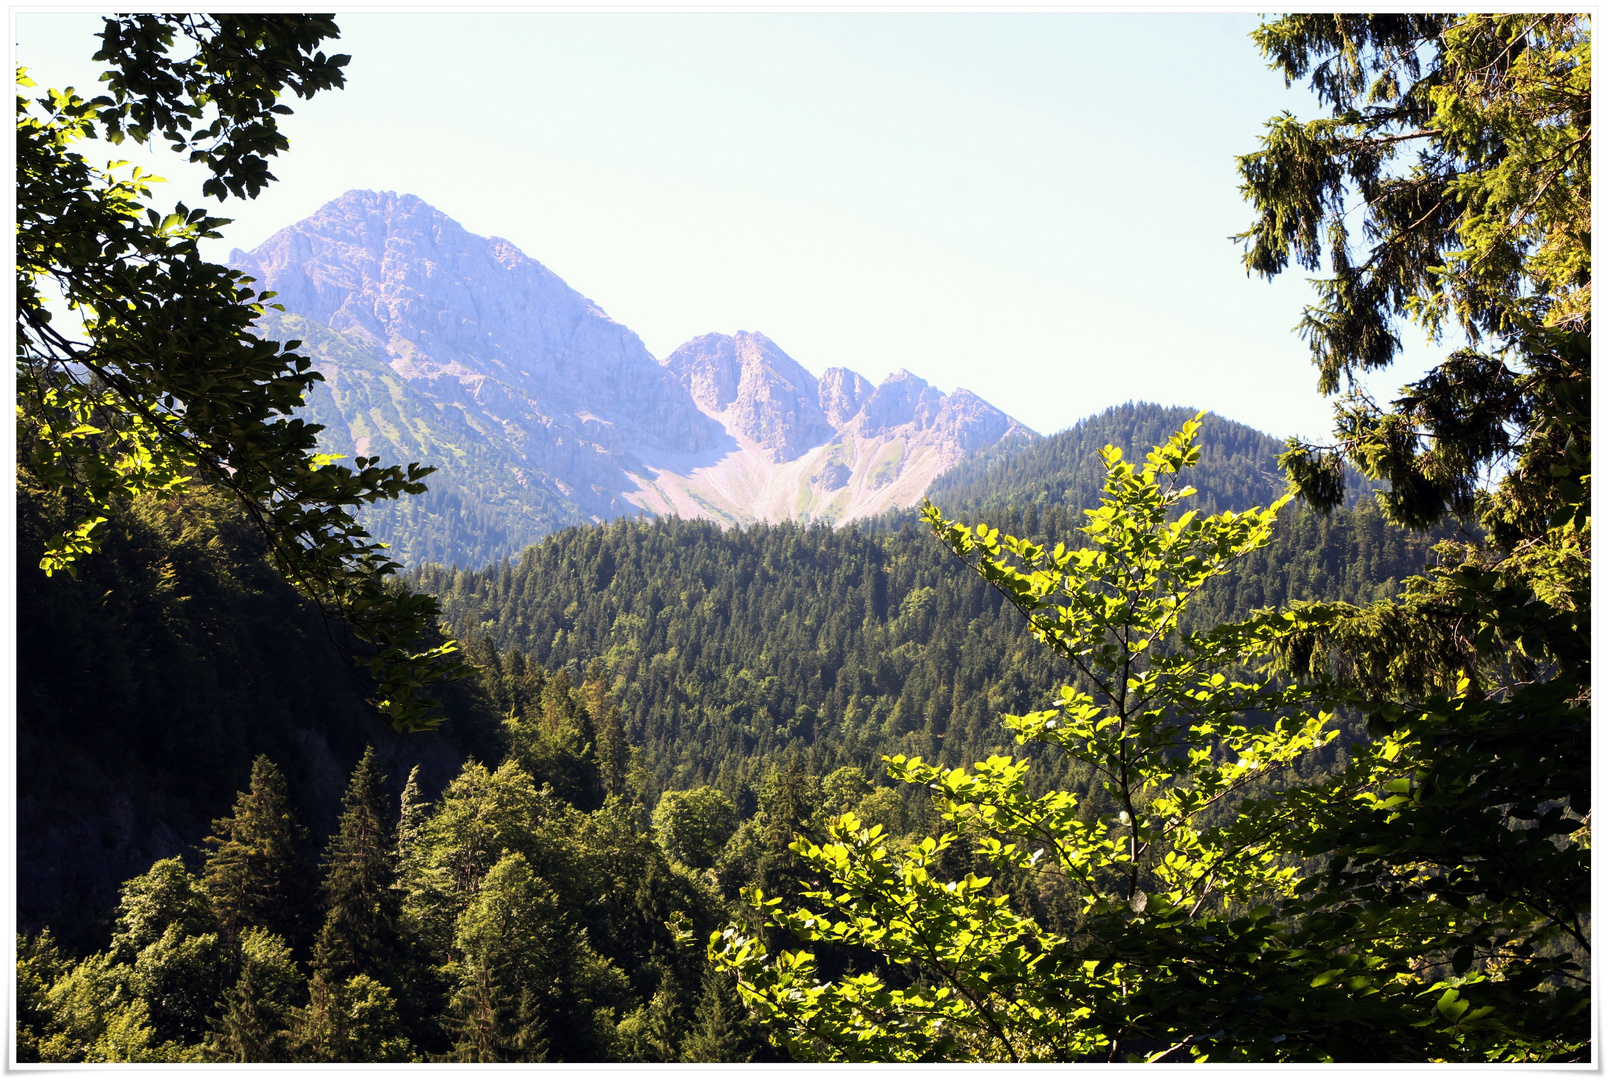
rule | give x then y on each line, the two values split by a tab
1161	722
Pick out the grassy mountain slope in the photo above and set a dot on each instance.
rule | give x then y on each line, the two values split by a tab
479	503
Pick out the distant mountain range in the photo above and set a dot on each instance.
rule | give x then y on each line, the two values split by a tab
540	411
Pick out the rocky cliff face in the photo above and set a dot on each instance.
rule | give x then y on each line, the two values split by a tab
540	411
474	319
832	449
755	390
416	308
841	392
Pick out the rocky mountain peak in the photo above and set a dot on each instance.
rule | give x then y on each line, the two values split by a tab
842	393
541	411
456	310
757	389
902	399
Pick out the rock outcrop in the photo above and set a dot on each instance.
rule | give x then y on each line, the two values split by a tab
756	390
832	449
841	392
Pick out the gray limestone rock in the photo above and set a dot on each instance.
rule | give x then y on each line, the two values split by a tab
842	393
767	395
475	321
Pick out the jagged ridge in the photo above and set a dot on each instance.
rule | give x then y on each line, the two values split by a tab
541	411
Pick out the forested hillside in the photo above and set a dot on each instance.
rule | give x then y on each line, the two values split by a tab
175	671
148	683
728	648
1238	466
617	663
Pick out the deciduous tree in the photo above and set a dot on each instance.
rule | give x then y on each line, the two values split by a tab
138	366
693	826
1210	917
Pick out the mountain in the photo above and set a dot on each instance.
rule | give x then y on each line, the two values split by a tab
540	411
1238	466
829	450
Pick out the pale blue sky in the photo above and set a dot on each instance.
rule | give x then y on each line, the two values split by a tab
1035	207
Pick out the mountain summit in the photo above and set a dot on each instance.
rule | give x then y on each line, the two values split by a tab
756	390
460	351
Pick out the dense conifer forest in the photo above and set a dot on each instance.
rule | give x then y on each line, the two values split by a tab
660	707
727	648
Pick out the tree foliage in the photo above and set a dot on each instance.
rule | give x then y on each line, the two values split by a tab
139	370
496	922
1487	229
1439	874
1208	916
1468	809
694	826
254	874
361	934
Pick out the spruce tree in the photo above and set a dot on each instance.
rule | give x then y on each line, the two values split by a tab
613	751
255	1025
362	911
254	874
723	1029
788	805
1476	680
409	822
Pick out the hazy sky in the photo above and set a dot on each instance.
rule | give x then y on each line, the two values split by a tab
1035	207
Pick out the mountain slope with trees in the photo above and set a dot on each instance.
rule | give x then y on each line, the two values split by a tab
163	379
727	648
489	891
1238	466
1351	824
149	681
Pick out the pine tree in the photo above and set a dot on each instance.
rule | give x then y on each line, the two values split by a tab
255	1025
254	874
363	907
613	751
